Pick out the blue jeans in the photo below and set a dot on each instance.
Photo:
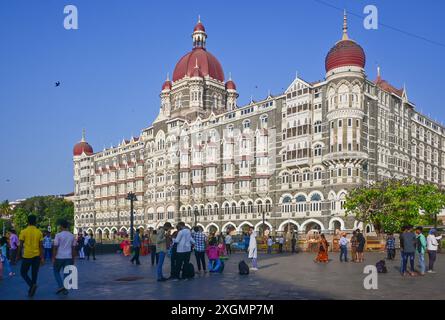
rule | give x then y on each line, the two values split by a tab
269	249
48	252
6	264
405	257
160	264
59	265
343	253
422	262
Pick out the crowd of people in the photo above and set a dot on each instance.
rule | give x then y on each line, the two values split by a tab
34	248
178	244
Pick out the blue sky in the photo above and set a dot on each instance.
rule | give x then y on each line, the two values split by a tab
113	66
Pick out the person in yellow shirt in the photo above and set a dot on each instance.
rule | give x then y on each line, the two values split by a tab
31	240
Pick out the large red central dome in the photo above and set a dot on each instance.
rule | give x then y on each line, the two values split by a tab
198	58
207	63
346	52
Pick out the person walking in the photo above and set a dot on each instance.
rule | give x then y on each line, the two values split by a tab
80	245
390	247
13	244
48	246
184	240
432	245
294	243
4	257
136	248
152	245
31	240
63	254
253	254
343	247
161	248
269	245
354	244
421	249
228	241
408	247
280	244
86	247
200	248
323	245
91	247
361	241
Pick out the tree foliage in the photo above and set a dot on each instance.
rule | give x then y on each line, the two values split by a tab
48	209
391	204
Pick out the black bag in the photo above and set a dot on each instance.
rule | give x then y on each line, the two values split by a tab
189	271
243	268
381	266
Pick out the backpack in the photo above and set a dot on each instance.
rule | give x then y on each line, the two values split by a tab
243	268
381	266
189	271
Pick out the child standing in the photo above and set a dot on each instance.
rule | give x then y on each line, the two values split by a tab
391	247
213	253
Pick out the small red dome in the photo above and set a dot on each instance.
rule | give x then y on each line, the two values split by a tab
199	27
167	85
230	85
345	53
207	63
82	147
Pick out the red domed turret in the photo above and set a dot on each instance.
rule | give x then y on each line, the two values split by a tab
208	65
167	85
82	147
346	52
230	85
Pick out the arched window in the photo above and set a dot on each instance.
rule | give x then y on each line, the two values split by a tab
315	202
287	204
301	203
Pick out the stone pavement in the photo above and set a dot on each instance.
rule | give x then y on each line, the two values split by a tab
282	276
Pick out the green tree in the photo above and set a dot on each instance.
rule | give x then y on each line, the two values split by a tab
431	200
388	205
48	209
5	209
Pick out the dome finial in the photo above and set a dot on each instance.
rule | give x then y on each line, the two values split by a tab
345	26
199	18
83	135
378	73
168	76
230	76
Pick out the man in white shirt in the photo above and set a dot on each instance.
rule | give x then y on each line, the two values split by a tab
343	247
184	248
228	242
63	254
431	245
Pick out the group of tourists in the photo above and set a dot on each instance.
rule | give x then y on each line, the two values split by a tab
415	242
34	248
179	244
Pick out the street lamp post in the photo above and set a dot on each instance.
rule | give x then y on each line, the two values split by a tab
195	212
132	197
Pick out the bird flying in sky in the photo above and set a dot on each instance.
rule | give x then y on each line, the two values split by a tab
57	83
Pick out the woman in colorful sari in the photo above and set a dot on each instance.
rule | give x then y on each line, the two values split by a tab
322	250
126	246
144	247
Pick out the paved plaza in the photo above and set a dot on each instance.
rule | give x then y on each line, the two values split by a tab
280	277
